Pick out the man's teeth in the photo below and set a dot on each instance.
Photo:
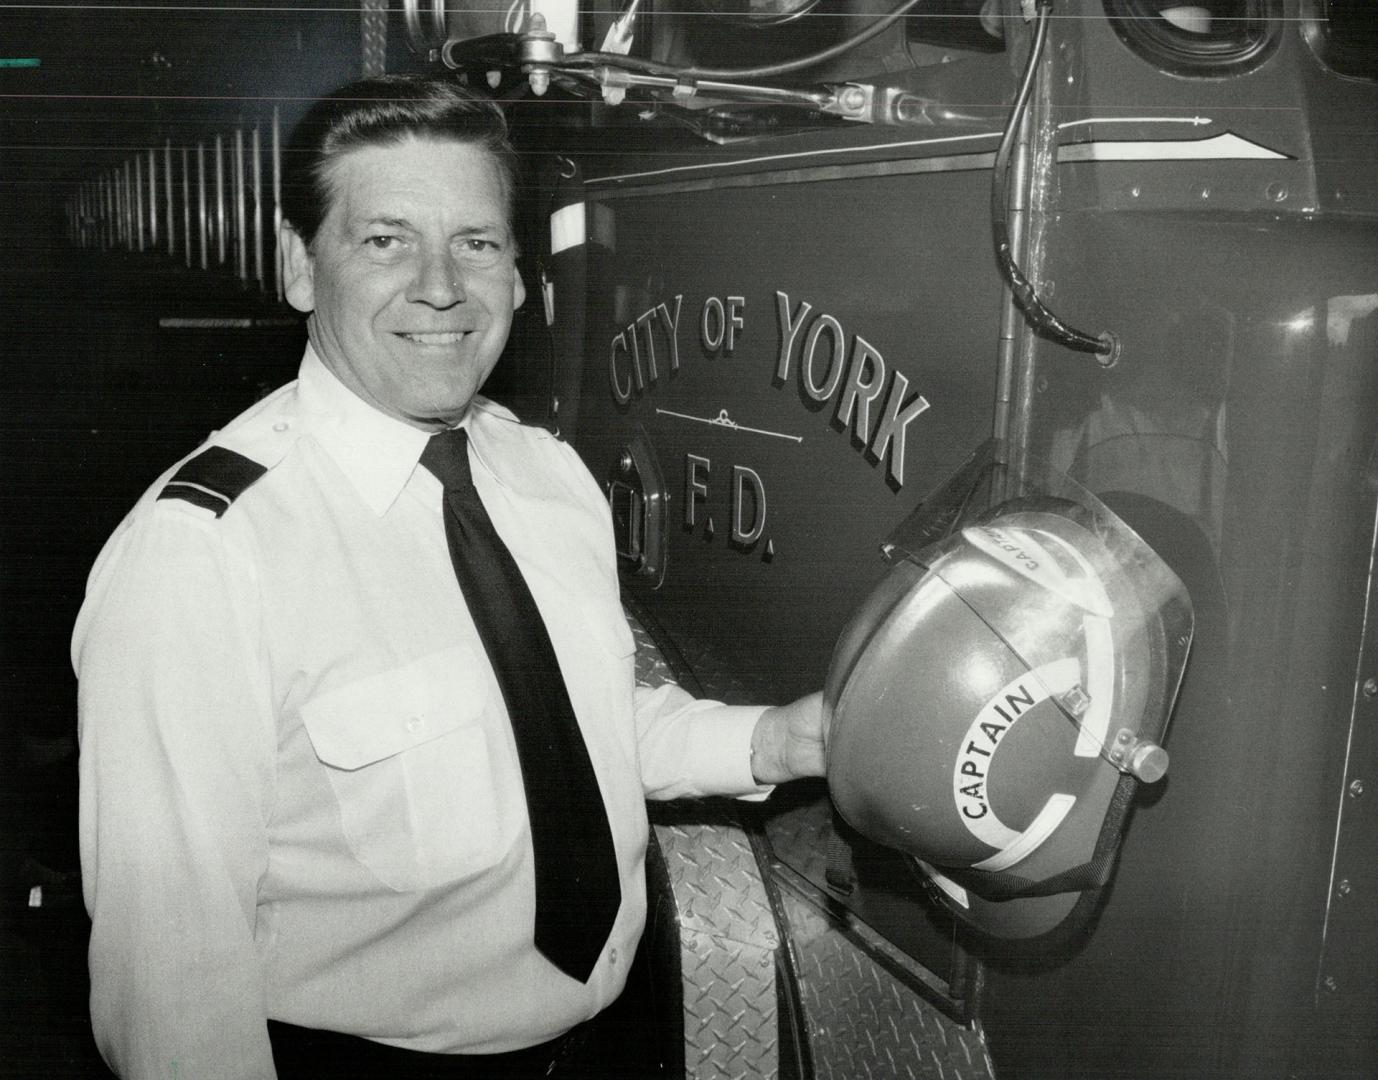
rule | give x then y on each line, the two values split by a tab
448	338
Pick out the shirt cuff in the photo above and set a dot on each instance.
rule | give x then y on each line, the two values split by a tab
722	744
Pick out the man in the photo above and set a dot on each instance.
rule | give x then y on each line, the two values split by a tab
307	805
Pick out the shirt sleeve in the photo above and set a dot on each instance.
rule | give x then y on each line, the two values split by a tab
177	751
692	747
686	746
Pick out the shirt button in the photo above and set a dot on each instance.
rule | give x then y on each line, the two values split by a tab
612	955
281	425
415	724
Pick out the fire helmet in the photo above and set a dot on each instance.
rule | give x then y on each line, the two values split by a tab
998	698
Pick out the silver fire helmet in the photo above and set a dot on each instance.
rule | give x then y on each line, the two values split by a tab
998	698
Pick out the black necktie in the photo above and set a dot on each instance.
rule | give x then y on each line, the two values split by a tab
577	893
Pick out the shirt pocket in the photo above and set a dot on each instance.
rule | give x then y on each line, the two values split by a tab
409	763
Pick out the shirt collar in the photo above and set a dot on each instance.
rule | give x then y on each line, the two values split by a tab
376	452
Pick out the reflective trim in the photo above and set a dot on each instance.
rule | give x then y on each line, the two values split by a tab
1094	727
1222	146
568	228
1031	839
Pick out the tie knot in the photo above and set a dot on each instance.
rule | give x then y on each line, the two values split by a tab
447	457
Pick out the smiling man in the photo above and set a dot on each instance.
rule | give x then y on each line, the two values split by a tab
363	763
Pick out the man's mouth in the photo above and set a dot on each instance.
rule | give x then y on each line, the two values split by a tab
448	337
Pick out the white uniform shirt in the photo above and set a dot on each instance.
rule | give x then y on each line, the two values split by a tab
300	795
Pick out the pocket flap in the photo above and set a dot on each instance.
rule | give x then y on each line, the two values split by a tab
375	718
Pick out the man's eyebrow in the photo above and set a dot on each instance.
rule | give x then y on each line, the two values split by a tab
479	229
389	222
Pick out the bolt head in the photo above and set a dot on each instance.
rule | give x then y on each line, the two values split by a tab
1149	763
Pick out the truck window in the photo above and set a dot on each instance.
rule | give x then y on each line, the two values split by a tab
1344	34
1206	38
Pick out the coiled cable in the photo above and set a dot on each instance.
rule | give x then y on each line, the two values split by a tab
1106	347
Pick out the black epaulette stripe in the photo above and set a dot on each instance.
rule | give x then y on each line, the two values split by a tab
213	479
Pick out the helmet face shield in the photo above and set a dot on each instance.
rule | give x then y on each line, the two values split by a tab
997	699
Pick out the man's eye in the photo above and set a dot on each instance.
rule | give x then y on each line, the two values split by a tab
480	252
382	242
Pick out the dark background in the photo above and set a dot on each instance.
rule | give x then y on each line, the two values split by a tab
98	399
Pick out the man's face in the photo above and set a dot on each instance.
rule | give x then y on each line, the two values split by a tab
411	279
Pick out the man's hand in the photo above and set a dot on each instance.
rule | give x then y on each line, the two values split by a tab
788	741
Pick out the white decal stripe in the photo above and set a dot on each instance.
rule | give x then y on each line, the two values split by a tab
980	745
567	228
1100	686
1226	145
1195	121
704	166
1029	841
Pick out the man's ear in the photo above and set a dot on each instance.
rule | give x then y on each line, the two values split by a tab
298	270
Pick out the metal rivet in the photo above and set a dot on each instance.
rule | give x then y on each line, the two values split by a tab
625	461
1205	193
1356	788
1276	191
1135	191
1330	984
1370	688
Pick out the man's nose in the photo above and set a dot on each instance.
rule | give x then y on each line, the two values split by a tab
439	280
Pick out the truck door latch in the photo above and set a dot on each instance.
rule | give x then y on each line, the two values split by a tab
638	497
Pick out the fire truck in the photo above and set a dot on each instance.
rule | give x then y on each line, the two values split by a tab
816	285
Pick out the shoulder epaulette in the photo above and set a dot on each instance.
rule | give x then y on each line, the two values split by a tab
213	479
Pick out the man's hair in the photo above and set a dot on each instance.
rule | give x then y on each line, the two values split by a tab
385	111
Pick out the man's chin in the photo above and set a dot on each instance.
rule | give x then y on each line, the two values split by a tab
438	418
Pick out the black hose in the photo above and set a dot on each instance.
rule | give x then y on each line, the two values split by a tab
1045	322
766	71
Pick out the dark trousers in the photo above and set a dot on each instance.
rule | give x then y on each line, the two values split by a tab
304	1054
